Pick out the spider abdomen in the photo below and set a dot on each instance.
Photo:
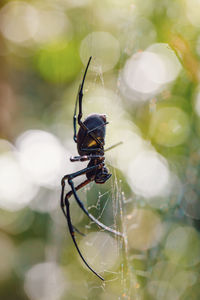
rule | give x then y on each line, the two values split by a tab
92	134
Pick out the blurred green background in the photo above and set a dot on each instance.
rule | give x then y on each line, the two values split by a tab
144	76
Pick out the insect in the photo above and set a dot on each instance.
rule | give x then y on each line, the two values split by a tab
90	145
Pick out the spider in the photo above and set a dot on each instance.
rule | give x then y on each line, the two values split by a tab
90	146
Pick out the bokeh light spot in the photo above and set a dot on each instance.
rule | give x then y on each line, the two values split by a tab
41	156
101	251
169	126
103	47
192	10
171	63
182	246
16	190
18	21
166	272
44	281
147	73
149	175
144	229
52	24
142	72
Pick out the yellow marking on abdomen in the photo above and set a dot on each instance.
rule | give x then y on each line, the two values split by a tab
93	142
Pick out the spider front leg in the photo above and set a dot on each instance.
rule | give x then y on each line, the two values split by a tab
79	99
80	94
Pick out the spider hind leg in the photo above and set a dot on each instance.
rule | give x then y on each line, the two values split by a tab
72	233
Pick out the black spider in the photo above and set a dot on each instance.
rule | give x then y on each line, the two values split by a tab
90	145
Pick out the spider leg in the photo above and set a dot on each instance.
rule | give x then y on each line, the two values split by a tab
81	172
65	204
90	132
80	114
91	217
79	99
72	229
74	116
84	157
95	128
72	233
80	94
78	231
91	149
68	195
71	176
113	146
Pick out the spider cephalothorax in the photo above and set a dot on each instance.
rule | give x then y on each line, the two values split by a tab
90	145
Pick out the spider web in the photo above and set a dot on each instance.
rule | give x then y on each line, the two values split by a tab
108	204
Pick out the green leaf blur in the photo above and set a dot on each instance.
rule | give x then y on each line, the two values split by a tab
144	75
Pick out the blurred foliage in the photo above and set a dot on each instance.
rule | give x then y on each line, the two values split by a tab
144	75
